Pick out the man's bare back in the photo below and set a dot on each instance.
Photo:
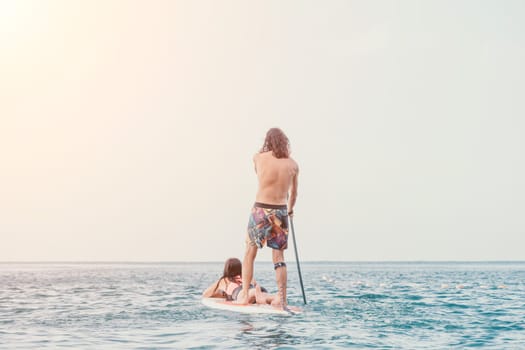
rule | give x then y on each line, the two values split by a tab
277	177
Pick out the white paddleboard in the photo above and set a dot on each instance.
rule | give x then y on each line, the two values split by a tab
223	304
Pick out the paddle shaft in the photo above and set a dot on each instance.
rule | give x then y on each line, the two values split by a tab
297	259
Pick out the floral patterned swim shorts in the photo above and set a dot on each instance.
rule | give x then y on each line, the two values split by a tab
269	224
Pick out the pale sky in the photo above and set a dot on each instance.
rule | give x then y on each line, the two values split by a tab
127	128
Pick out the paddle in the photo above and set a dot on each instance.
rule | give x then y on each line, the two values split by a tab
297	259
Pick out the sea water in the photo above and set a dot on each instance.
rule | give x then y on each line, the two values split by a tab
350	305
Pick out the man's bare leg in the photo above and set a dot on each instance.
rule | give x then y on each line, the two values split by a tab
281	277
247	273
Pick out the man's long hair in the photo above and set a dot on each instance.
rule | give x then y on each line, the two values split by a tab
277	142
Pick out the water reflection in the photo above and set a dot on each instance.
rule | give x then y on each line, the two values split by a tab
267	333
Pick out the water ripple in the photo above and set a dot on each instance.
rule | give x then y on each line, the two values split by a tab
351	305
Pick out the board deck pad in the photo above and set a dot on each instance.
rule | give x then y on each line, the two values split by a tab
223	304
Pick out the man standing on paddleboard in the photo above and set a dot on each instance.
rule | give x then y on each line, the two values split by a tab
278	177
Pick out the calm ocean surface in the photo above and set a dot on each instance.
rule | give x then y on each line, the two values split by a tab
351	305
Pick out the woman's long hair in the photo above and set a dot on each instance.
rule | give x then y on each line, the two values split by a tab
232	268
277	142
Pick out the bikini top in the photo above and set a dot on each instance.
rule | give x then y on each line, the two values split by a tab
232	285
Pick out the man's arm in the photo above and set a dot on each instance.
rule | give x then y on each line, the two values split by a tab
293	191
255	162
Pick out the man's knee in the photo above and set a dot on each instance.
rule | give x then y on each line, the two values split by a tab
277	255
251	251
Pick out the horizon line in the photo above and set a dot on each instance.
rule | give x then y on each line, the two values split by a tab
221	261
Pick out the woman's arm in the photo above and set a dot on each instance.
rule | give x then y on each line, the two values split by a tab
215	290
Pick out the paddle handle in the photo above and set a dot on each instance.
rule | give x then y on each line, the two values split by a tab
297	259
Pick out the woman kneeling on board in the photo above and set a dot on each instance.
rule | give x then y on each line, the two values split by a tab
230	284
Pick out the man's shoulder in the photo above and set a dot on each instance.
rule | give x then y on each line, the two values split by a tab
293	162
289	164
269	158
263	155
